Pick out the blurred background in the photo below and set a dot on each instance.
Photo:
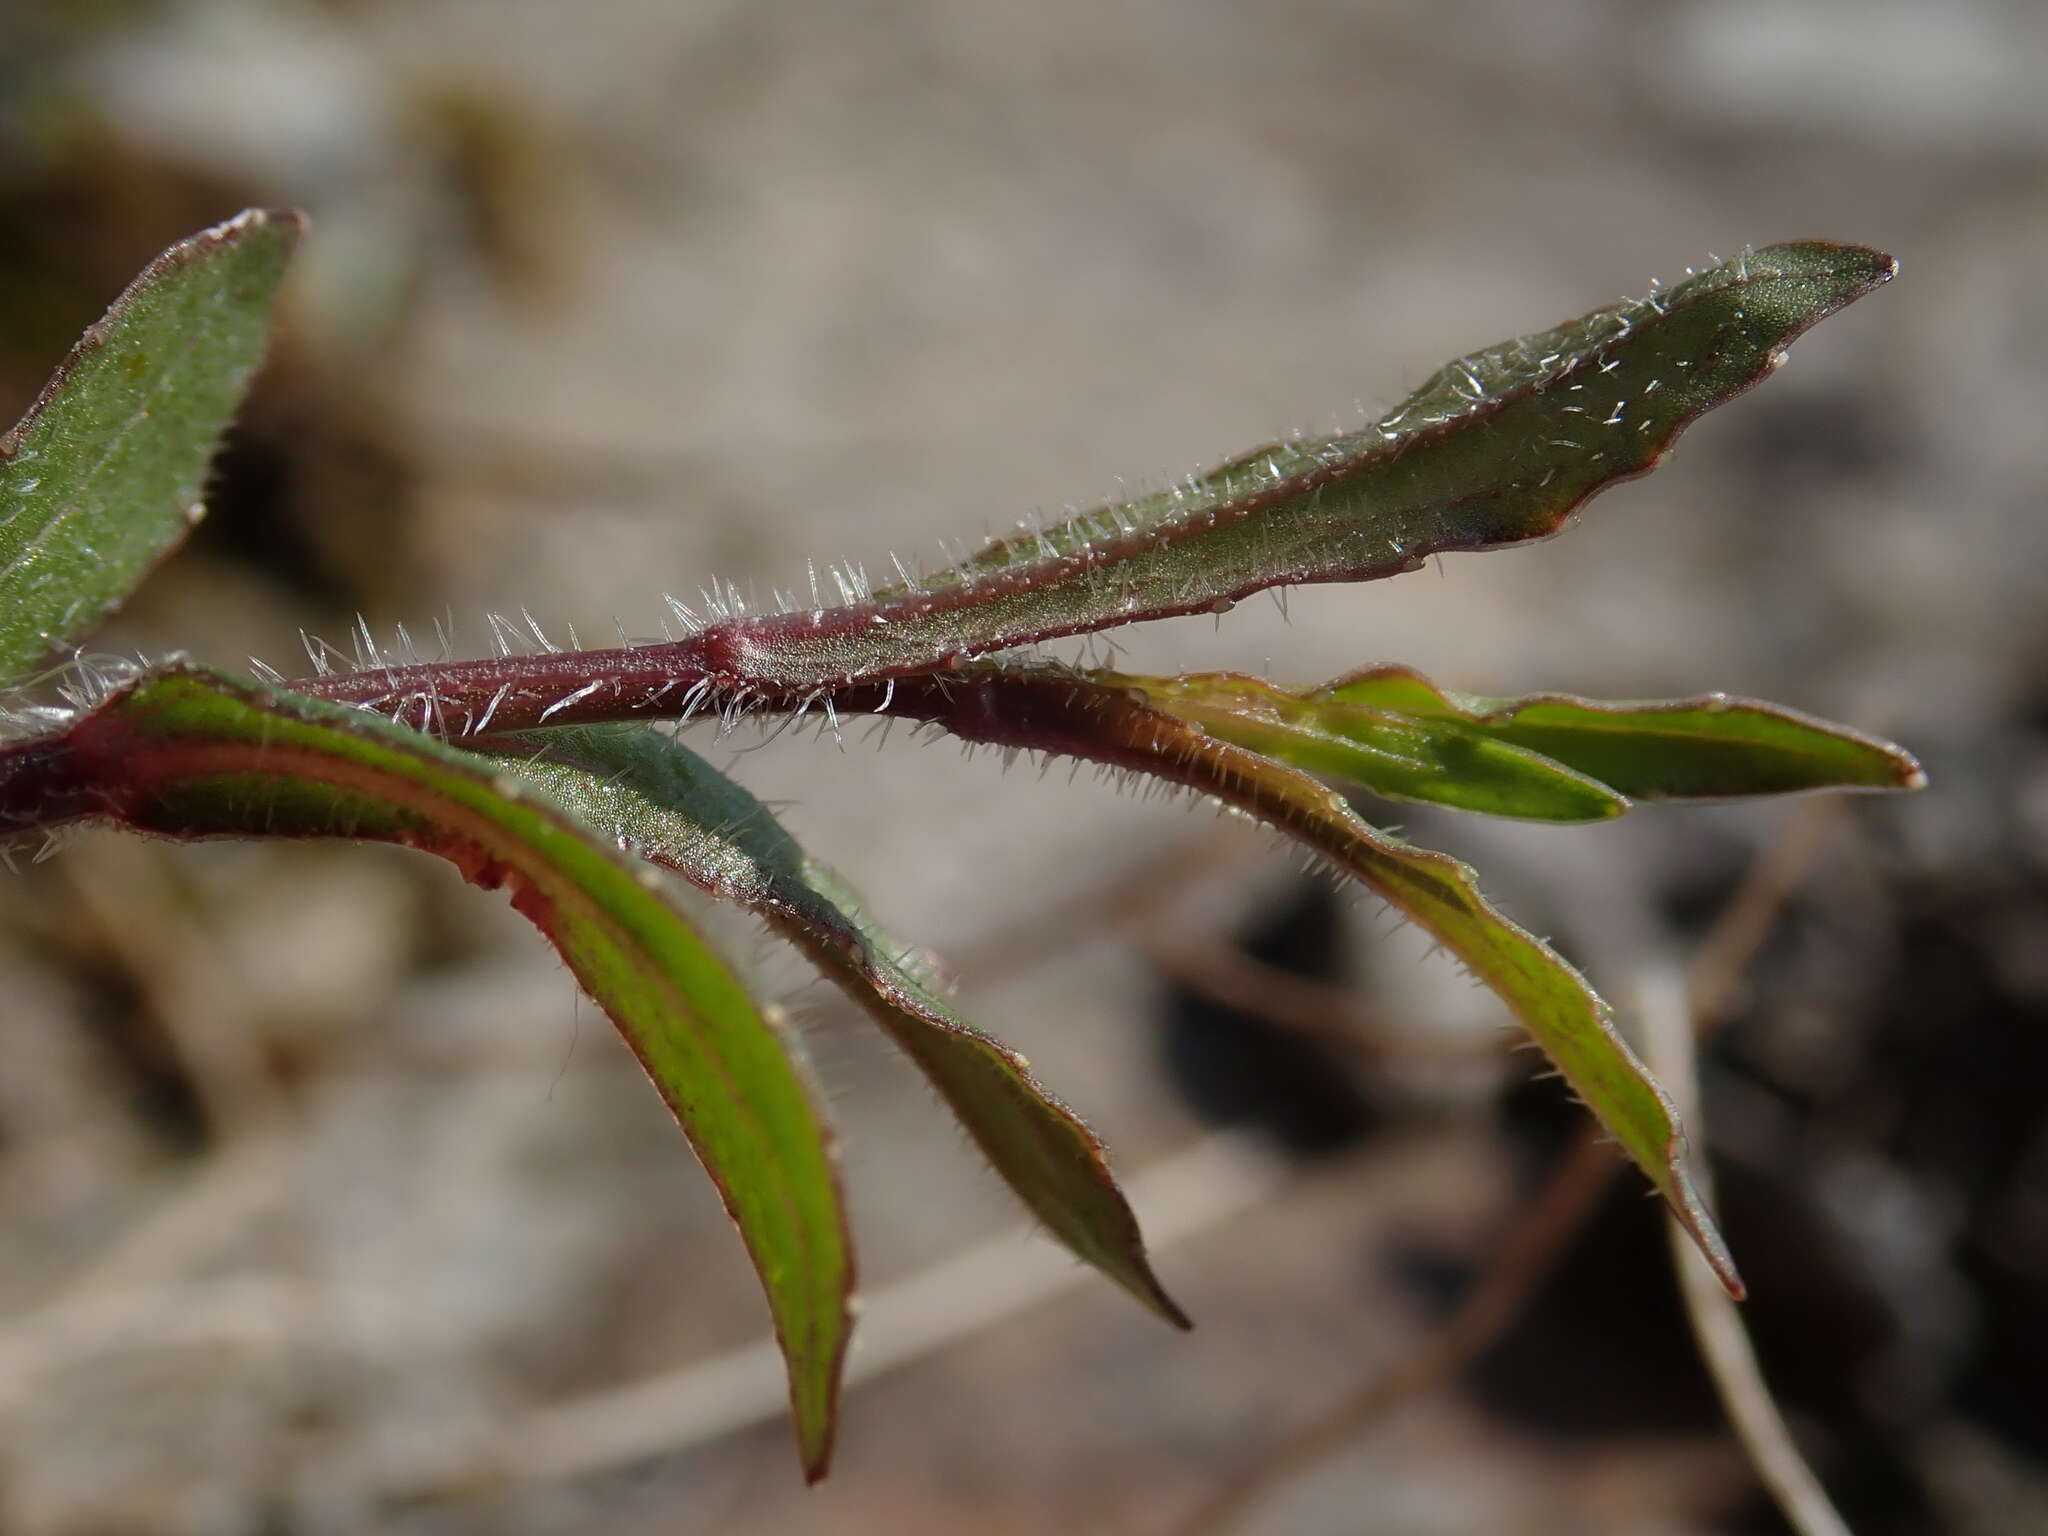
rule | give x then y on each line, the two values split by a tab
327	1208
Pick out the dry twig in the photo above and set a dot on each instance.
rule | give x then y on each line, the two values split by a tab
1670	1042
1522	1258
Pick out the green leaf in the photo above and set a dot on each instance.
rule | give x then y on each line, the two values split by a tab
189	753
1548	757
102	477
1053	710
664	802
1498	448
1395	756
1708	748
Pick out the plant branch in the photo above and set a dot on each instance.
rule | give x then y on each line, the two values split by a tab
1498	448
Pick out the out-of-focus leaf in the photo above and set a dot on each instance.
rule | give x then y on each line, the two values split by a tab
664	802
1055	711
1497	448
192	754
1708	748
1396	756
102	477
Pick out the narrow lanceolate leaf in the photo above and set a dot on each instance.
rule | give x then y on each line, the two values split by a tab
103	476
1549	757
1498	448
663	801
1050	710
193	754
1395	756
1708	748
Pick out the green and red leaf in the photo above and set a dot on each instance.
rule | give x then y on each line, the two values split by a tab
664	802
188	753
1548	757
1708	748
1498	448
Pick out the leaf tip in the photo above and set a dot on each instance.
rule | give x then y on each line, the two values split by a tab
1683	1196
270	235
288	222
1126	1262
1712	1246
1842	273
1154	1296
